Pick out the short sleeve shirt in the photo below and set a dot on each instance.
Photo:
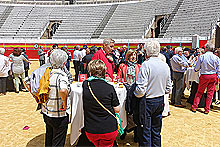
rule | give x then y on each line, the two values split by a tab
96	119
17	64
76	55
58	80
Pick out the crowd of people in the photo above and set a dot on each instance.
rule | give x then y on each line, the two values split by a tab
13	68
148	72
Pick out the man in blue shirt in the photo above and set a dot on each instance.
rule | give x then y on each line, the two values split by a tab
209	66
179	65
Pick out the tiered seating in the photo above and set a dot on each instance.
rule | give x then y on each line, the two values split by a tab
2	8
130	20
14	21
81	22
194	17
35	23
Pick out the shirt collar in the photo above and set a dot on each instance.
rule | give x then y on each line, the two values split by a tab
154	58
209	52
104	51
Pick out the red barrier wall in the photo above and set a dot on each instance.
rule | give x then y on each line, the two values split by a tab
32	52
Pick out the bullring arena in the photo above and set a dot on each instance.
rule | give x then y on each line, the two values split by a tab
181	128
30	24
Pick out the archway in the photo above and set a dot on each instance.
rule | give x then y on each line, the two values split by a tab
217	37
157	30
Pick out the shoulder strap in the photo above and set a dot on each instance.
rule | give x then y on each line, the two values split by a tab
100	102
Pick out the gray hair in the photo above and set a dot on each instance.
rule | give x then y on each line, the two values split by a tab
108	41
58	58
152	48
2	51
210	46
177	49
77	47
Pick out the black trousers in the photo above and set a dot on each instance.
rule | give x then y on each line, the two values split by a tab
42	62
26	73
3	84
77	68
56	130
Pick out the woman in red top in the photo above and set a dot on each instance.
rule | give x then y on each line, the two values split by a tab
128	71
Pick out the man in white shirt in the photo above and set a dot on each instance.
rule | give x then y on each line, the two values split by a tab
4	68
83	54
153	82
76	61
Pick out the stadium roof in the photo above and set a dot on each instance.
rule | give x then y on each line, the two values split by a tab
63	2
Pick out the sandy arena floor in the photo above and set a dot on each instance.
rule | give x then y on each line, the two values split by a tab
183	128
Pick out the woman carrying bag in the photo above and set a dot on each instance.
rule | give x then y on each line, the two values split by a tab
100	103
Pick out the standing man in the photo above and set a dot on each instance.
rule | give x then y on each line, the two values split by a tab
83	54
41	55
76	61
123	54
104	55
209	66
170	51
153	81
179	66
65	48
26	64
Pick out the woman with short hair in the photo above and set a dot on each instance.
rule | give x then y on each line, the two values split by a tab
100	126
127	72
4	68
54	110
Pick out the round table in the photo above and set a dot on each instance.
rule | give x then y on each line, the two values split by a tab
77	114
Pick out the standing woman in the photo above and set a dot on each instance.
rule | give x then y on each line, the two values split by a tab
18	67
128	71
4	68
100	126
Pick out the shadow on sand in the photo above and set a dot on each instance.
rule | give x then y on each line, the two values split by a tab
39	140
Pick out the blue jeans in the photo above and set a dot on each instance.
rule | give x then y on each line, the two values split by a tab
149	134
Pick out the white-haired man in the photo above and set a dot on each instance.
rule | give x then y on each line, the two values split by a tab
179	66
153	81
209	66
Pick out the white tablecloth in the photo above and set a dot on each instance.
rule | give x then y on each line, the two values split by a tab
77	115
191	75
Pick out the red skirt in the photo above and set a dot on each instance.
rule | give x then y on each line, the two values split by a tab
102	140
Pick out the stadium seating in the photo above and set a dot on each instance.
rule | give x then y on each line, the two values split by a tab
126	20
81	22
129	20
194	17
